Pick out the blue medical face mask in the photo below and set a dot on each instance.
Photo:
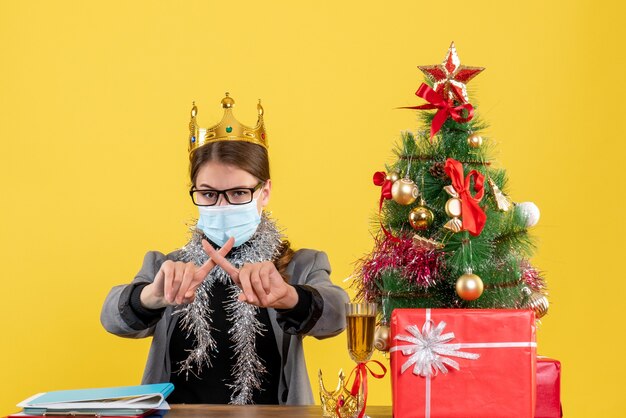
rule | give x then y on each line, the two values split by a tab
219	223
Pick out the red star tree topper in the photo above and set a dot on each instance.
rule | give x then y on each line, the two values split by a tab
450	77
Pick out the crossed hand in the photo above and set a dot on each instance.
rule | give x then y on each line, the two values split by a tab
176	282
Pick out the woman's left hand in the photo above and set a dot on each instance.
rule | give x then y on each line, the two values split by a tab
261	284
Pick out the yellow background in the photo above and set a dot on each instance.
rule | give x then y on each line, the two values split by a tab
94	105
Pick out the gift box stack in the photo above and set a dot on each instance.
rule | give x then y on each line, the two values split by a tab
548	395
451	268
470	363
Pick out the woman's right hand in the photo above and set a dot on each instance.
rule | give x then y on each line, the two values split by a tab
176	282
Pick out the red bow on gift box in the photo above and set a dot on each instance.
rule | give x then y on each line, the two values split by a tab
474	218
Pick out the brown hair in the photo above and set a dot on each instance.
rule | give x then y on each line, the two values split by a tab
256	162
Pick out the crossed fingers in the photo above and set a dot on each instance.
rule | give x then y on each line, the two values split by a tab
185	278
255	280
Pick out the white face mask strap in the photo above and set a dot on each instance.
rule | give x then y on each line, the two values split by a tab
262	189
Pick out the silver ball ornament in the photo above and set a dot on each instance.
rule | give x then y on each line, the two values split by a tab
530	212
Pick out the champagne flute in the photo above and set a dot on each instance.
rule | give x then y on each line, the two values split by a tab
361	325
361	319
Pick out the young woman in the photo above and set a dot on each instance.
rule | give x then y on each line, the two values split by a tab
229	333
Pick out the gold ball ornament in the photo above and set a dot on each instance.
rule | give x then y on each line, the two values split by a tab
469	286
538	302
404	191
393	177
475	140
382	338
453	207
421	218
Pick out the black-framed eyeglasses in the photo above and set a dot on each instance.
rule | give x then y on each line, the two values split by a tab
236	196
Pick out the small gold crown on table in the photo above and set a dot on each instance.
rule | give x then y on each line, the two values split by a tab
338	400
228	129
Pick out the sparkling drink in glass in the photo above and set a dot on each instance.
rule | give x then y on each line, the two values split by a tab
361	325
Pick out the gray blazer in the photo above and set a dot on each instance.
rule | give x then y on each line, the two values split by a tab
326	319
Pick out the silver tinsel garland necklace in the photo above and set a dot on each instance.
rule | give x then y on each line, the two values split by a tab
195	318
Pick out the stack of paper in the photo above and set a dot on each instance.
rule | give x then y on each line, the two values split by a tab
123	401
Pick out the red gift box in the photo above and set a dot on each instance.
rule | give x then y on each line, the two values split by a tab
548	388
463	363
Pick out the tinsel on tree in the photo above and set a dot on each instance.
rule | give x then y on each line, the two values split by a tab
447	234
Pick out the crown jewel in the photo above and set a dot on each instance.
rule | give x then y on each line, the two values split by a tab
228	129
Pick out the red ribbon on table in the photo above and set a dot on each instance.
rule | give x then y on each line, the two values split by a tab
360	379
473	216
446	108
380	179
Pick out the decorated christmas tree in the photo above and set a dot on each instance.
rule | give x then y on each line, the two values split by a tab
447	234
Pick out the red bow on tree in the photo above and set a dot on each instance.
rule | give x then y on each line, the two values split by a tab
446	108
380	179
473	216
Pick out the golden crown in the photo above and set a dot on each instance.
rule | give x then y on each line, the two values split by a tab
339	402
228	129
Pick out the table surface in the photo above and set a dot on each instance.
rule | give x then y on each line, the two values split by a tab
262	411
